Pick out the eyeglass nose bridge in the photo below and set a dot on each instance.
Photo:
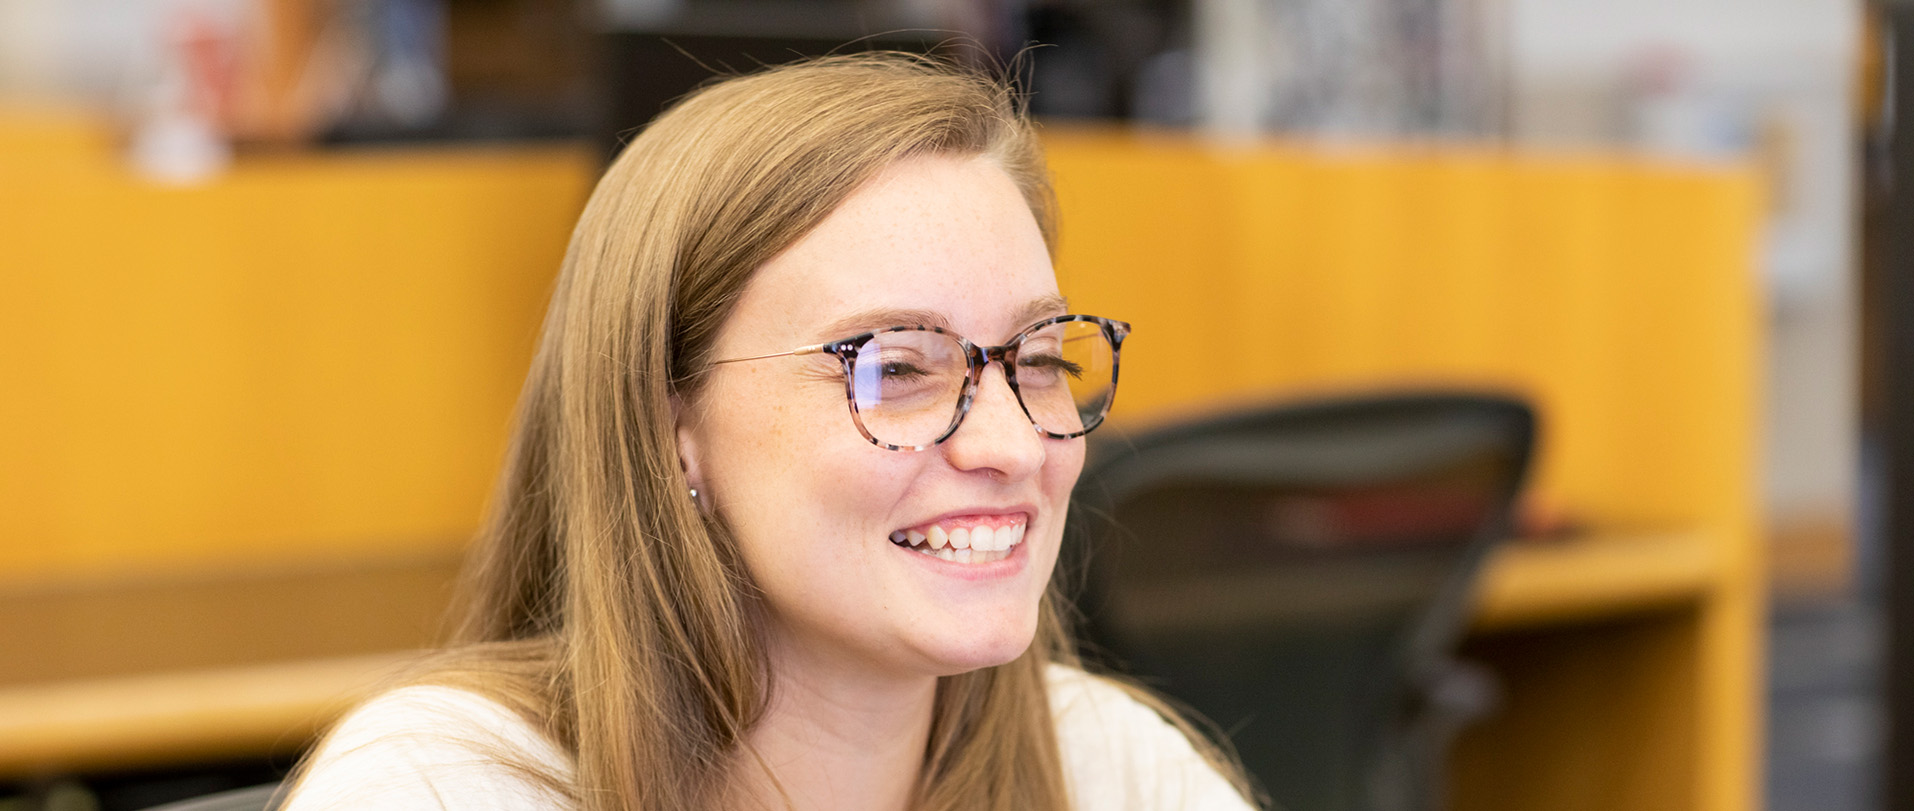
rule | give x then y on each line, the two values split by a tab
979	359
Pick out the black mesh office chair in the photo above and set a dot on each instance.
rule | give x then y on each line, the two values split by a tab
1299	575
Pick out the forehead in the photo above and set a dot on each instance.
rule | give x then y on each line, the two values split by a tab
951	237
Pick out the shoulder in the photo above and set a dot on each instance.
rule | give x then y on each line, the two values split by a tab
432	747
1120	753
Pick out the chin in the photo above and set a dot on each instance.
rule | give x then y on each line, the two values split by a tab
976	654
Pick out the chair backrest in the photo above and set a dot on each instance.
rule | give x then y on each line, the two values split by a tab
1296	573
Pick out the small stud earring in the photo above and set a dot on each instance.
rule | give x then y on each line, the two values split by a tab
694	494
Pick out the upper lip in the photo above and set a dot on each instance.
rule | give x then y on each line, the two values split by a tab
1027	510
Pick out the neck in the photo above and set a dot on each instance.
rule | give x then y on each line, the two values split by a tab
838	740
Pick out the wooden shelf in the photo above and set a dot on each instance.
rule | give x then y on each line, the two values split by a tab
1544	582
185	715
162	718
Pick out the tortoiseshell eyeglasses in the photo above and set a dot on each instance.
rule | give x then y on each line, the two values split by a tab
910	387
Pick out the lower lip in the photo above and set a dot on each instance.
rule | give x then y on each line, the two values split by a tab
994	570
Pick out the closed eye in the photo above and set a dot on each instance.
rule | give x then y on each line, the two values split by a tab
1051	362
897	369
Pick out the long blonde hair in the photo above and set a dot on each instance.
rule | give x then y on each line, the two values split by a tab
625	616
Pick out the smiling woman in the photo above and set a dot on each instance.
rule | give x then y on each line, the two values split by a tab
787	487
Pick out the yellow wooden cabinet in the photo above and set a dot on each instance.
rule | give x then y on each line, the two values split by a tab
249	425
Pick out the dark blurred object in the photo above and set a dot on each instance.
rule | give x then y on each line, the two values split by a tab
405	70
343	69
1887	356
645	67
1335	68
1115	59
1299	575
1120	59
519	68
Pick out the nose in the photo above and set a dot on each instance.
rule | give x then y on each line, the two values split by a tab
996	436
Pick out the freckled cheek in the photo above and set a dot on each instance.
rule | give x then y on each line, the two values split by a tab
762	419
800	457
1062	464
746	433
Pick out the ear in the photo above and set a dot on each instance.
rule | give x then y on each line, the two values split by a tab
688	455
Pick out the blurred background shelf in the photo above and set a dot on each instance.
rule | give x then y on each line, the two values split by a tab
1531	583
220	667
77	725
185	679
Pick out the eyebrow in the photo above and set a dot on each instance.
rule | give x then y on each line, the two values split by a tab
866	320
1042	308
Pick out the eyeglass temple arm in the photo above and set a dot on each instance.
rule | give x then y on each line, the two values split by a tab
802	350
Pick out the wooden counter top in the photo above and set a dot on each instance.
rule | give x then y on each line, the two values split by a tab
1530	583
184	715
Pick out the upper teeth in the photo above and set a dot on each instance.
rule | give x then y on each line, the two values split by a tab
979	538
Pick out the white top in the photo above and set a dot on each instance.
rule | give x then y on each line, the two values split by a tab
439	747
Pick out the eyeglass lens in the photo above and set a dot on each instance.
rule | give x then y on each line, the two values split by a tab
906	385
